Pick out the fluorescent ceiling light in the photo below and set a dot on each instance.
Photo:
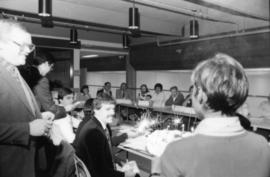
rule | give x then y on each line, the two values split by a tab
90	56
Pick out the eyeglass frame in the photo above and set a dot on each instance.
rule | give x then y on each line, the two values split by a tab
31	47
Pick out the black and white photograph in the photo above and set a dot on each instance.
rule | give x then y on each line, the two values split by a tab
134	88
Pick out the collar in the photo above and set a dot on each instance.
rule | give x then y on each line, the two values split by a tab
102	123
9	67
217	126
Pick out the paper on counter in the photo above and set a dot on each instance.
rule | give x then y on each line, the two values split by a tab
131	165
138	143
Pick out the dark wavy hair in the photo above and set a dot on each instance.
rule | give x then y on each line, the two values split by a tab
30	72
63	92
84	87
41	57
158	85
97	103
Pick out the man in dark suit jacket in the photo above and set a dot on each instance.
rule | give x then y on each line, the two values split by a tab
176	97
19	114
93	143
106	91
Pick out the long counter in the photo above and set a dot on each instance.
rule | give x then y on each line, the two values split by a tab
167	110
263	123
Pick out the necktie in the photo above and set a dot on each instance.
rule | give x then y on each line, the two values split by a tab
110	144
108	137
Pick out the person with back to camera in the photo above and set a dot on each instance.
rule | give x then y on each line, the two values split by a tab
220	147
35	73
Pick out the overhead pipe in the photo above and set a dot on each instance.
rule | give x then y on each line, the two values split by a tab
81	25
187	12
230	10
64	25
217	36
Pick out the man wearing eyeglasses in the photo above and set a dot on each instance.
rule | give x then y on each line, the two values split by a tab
20	120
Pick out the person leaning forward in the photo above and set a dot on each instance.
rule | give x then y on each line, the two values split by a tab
21	123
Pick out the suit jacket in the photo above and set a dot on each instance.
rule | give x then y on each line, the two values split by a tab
101	93
119	94
178	101
17	147
94	150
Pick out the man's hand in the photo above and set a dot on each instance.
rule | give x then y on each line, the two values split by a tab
40	127
130	173
130	169
47	115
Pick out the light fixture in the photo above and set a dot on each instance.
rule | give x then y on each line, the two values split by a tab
194	29
125	41
90	56
45	8
134	18
73	36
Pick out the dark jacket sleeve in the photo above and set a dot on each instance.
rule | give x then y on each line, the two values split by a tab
181	99
169	101
116	140
44	98
99	156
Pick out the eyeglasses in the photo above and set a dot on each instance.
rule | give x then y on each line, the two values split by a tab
31	47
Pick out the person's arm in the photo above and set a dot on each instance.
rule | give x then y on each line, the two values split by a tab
116	140
44	97
181	98
19	133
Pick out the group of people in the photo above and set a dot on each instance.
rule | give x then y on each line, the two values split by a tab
32	143
156	99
